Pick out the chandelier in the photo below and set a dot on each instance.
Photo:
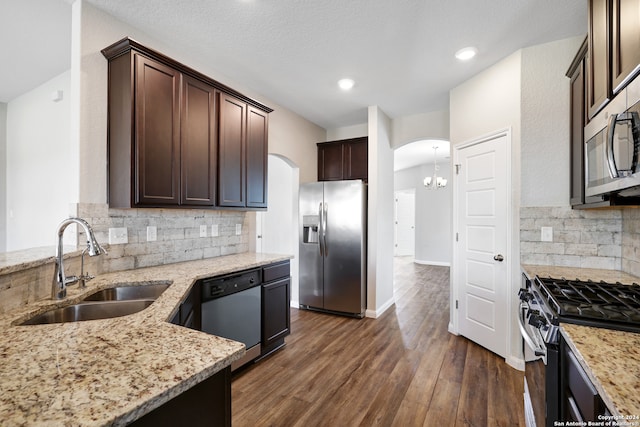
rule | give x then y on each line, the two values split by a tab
434	182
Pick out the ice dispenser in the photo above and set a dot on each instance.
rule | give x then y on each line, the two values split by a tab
310	225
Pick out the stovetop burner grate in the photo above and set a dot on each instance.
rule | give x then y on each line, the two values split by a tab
597	301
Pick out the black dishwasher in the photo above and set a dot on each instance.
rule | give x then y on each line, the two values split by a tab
231	308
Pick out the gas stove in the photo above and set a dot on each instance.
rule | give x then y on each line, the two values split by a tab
547	302
598	304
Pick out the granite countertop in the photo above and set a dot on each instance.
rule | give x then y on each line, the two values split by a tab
610	358
112	371
612	362
570	273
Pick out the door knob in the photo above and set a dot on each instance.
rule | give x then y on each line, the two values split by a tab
499	258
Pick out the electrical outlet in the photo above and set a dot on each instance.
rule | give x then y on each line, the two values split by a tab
214	230
238	229
203	231
546	234
118	236
152	233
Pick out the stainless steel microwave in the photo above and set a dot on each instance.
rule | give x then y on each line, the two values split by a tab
612	153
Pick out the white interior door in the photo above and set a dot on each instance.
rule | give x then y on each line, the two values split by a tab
482	224
405	223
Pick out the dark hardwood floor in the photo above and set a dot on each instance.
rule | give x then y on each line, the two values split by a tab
402	369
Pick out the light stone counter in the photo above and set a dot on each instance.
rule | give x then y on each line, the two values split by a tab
610	358
612	361
572	273
112	371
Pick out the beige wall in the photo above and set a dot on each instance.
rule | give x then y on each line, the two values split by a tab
293	137
432	125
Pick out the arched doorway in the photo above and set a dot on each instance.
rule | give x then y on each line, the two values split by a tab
277	228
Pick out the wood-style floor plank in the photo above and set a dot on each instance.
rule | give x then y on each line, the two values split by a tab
403	369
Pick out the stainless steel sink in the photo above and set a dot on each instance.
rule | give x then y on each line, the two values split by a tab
90	311
121	293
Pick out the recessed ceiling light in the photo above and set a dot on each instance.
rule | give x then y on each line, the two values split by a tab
466	53
346	84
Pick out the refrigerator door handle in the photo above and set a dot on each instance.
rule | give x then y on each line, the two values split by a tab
320	231
324	229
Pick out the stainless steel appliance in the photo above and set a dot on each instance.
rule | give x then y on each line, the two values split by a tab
612	148
231	308
547	302
333	248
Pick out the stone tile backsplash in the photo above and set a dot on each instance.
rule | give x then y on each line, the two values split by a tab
178	239
581	238
178	235
631	241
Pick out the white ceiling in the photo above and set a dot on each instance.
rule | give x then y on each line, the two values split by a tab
292	52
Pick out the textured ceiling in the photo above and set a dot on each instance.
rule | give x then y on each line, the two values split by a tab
399	52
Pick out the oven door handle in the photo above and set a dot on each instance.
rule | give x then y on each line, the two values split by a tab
538	350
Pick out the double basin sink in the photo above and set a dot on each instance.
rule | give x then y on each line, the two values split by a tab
104	304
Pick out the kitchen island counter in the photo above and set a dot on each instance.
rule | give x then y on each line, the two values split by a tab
112	371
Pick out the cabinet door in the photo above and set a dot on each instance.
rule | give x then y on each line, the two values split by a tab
330	162
231	149
355	159
275	311
198	143
577	135
257	129
598	77
157	122
625	55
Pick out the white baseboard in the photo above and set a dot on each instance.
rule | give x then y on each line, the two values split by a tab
295	304
515	362
374	314
439	263
451	329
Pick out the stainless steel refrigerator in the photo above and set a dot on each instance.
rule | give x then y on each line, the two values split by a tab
333	247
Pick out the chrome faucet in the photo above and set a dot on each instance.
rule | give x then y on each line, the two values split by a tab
60	280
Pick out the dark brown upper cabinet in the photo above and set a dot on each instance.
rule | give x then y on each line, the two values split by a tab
614	49
177	138
576	73
157	89
343	159
198	148
233	142
256	170
625	43
598	60
243	154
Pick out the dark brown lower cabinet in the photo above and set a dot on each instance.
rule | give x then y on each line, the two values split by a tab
205	404
276	310
189	313
580	400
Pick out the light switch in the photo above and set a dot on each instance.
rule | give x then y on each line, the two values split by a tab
203	231
546	234
238	229
214	230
